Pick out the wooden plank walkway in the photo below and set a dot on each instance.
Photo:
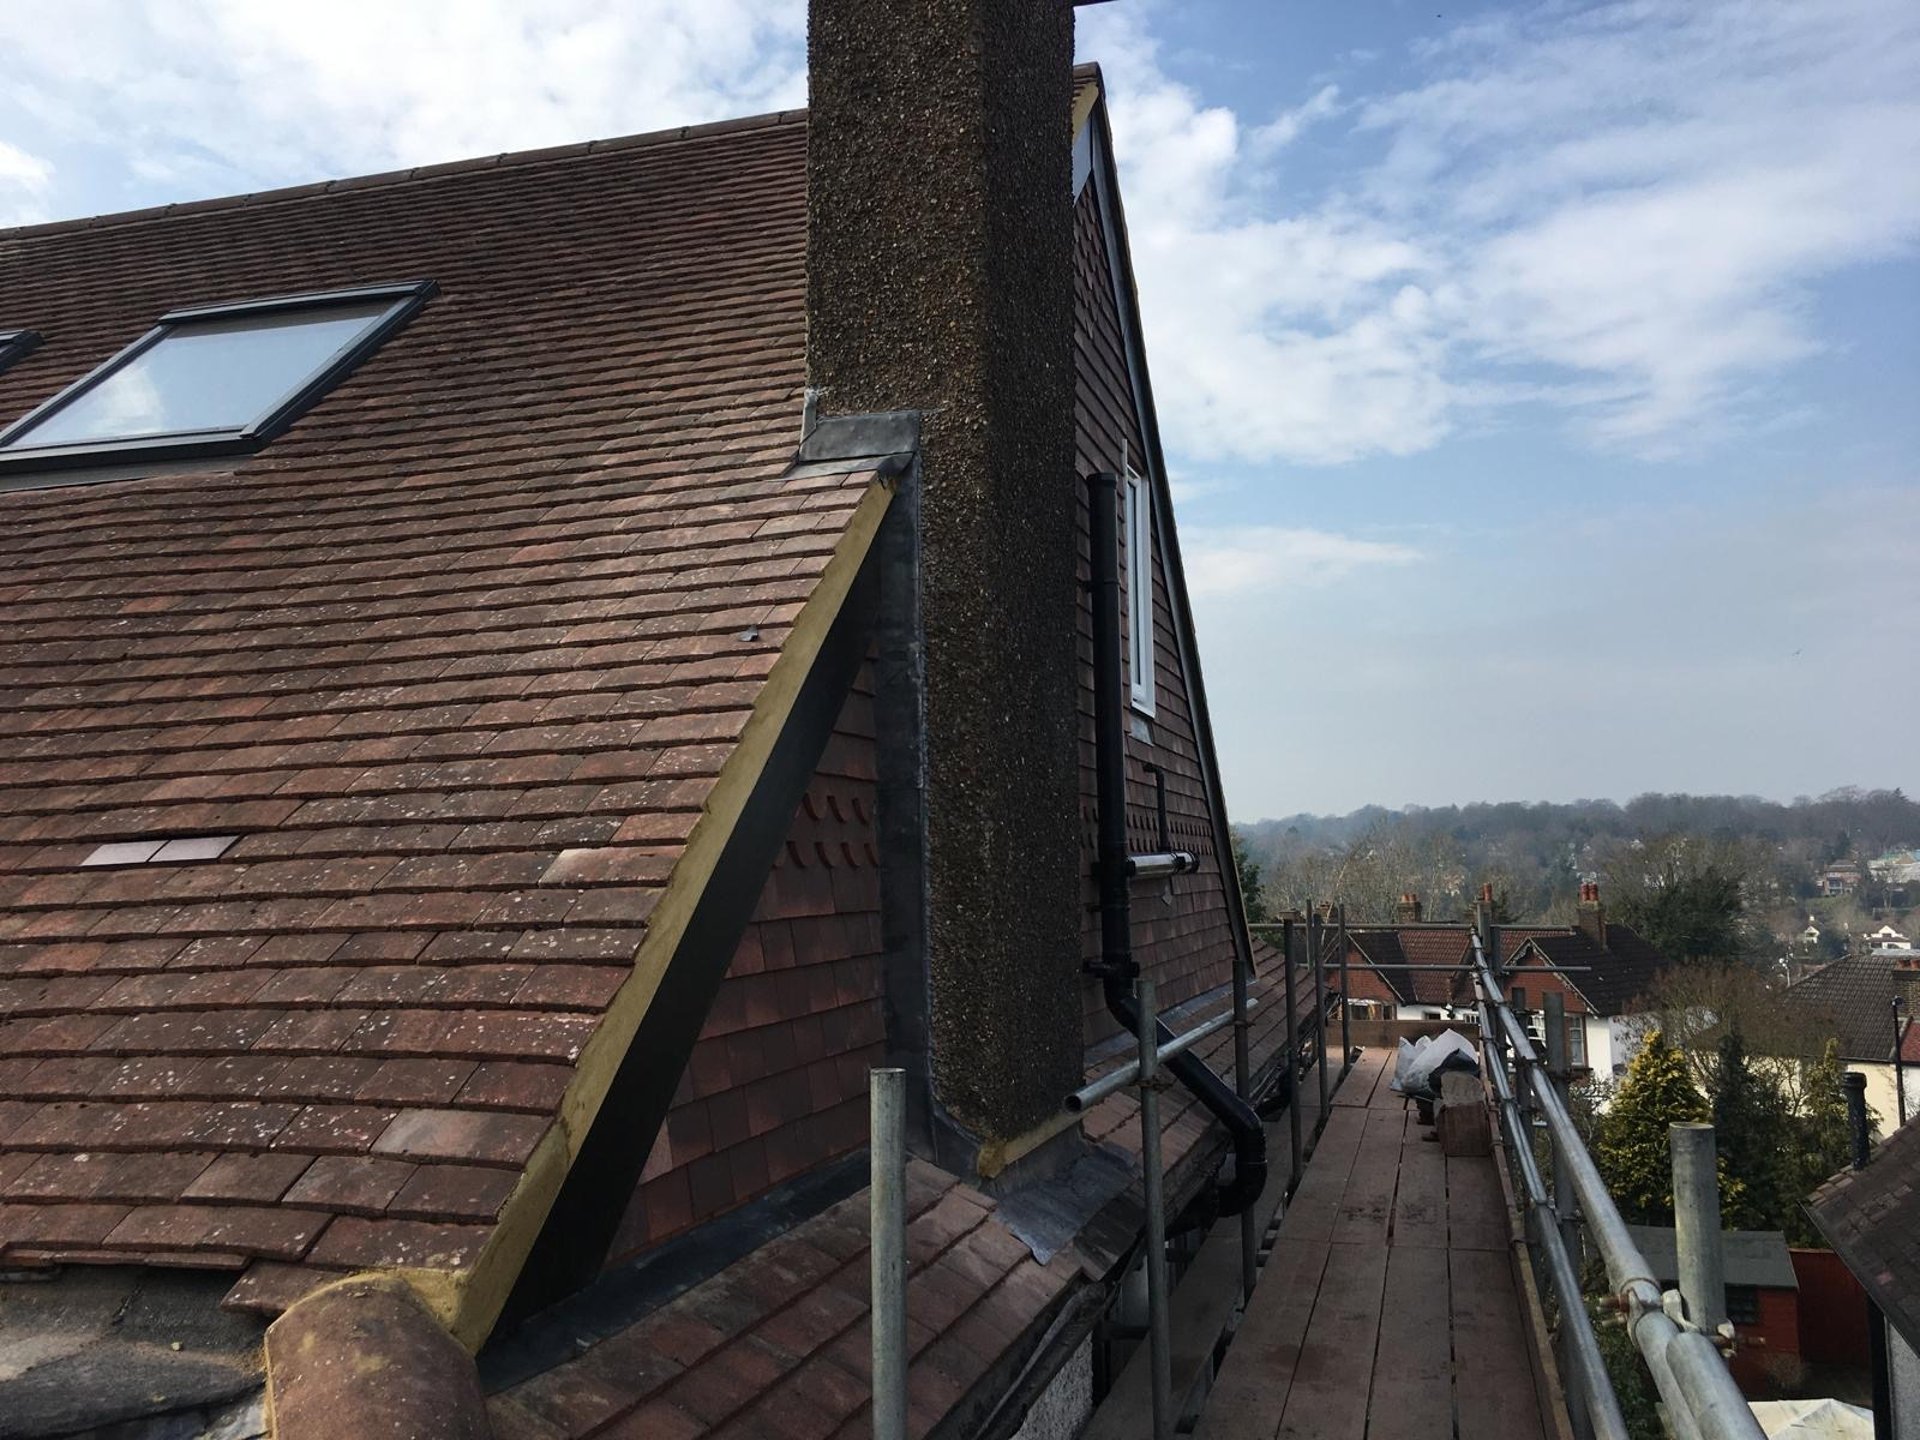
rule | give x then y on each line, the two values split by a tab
1388	1309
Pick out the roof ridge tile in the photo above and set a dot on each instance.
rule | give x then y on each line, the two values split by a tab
503	160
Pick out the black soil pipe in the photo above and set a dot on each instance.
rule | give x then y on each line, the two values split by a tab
1117	968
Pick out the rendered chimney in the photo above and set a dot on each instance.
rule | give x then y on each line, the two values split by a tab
1410	909
1590	915
940	280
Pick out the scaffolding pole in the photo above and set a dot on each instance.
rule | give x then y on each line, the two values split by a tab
1346	1008
887	1240
1314	936
1292	1044
1688	1370
1159	1332
1243	1087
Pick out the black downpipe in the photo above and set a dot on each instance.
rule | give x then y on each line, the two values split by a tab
1117	968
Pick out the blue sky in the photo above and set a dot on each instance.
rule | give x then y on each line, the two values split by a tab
1538	381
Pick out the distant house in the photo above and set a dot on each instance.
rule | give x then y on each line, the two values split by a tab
1762	1298
1896	867
1416	970
1853	1000
1841	879
1871	1218
525	679
1887	941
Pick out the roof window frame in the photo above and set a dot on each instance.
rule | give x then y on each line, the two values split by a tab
16	345
405	297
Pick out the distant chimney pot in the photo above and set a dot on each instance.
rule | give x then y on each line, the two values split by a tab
1409	908
1590	915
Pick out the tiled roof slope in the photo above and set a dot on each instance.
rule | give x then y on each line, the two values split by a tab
1612	979
459	658
1871	1217
777	1345
1392	949
1854	996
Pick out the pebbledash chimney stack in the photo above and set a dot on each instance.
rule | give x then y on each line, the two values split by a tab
940	283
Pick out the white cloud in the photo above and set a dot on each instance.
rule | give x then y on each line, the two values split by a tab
1307	336
1257	559
1288	126
23	184
1620	209
215	95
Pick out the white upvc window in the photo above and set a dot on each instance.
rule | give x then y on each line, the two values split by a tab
1139	539
1576	1040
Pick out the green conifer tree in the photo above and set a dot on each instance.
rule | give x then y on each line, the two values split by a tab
1634	1154
1824	1147
1757	1137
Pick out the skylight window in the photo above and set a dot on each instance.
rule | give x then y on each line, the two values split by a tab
214	379
14	344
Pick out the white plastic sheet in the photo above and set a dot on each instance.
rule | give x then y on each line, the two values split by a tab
1813	1420
1416	1062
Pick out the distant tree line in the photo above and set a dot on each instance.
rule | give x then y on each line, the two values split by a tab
1703	877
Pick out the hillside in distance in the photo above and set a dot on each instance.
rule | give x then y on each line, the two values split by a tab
1536	855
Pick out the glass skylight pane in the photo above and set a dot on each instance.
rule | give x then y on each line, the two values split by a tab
207	375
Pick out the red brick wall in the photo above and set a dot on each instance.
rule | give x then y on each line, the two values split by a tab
1181	933
1363	983
1538	982
777	1082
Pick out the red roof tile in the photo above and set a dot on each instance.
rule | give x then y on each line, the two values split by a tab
459	659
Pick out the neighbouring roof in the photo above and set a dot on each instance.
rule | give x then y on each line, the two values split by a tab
1391	949
1613	979
1871	1217
1750	1257
1854	997
460	659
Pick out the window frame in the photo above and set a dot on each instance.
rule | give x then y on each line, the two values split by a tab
1575	1039
405	299
16	345
1138	534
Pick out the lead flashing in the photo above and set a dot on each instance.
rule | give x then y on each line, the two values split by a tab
840	438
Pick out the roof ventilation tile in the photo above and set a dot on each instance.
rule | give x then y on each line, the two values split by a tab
177	851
